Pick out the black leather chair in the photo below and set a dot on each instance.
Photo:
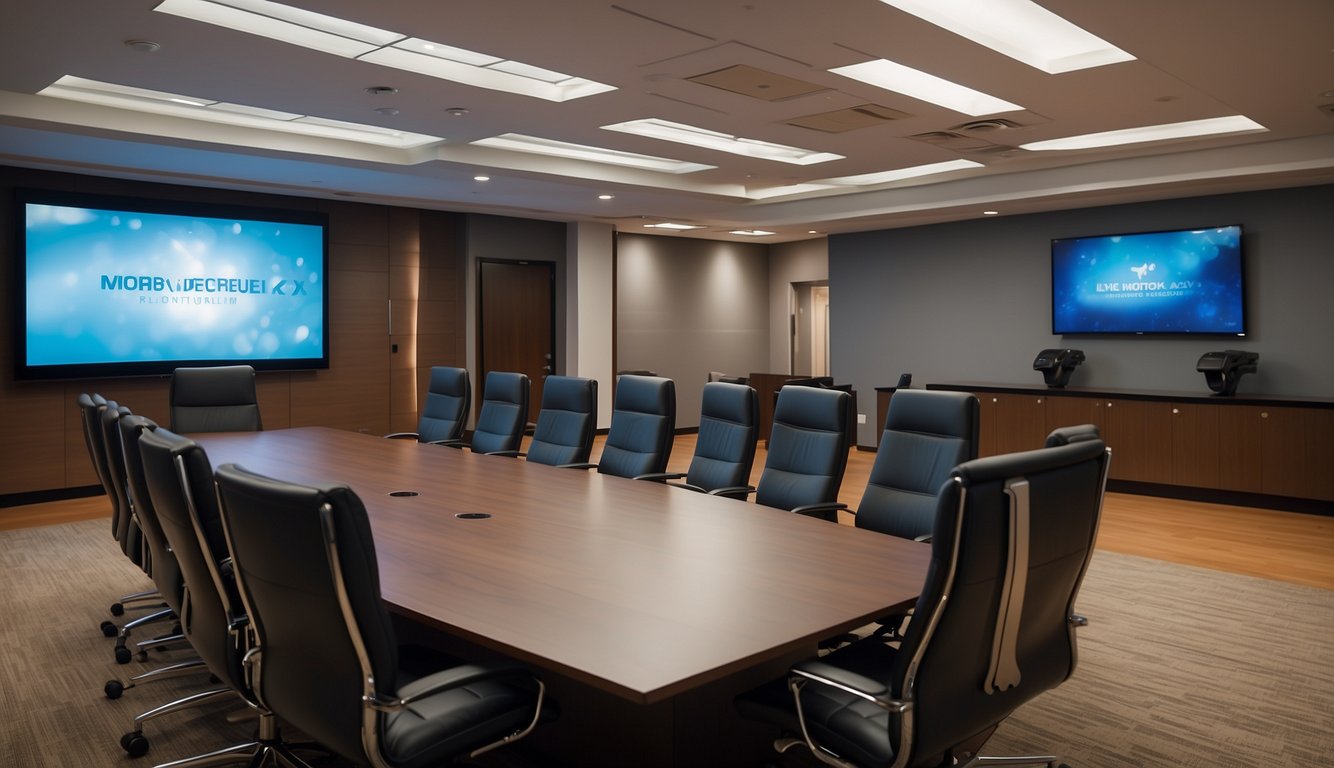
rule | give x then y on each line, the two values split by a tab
808	452
445	413
565	427
927	433
179	479
91	408
1074	434
504	414
214	399
725	445
326	658
643	427
994	626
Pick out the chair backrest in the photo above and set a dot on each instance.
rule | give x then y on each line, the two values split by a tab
214	399
927	434
448	398
643	427
166	572
728	430
126	529
90	412
504	414
565	426
179	478
299	553
993	626
1074	434
808	448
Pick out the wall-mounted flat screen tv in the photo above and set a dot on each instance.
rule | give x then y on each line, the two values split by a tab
110	286
1186	281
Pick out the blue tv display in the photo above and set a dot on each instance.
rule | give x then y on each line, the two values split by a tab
1186	281
123	287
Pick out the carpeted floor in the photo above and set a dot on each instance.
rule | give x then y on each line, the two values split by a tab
1179	666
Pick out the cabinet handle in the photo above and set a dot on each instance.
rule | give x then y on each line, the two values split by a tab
1039	401
995	399
1176	410
1109	405
1264	414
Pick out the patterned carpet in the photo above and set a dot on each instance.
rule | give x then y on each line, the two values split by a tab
1179	666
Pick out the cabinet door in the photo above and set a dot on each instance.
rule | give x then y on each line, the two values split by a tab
1138	433
1239	447
1071	411
1296	445
1195	450
1011	423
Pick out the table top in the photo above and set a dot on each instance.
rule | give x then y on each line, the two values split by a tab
640	589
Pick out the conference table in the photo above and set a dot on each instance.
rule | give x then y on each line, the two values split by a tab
645	607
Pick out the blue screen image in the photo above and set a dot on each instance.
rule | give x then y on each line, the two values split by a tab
1185	281
118	286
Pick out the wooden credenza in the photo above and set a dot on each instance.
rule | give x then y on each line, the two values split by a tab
1248	444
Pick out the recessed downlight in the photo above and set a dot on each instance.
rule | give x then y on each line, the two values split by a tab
143	46
606	197
481	177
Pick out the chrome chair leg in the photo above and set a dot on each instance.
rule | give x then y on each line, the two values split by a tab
114	688
136	744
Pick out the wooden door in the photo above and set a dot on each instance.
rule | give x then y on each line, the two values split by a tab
516	327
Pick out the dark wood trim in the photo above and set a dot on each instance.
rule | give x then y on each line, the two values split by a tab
55	494
1278	401
1216	496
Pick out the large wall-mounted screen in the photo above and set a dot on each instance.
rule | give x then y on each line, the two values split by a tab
122	287
1186	281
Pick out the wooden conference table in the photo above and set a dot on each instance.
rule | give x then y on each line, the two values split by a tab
645	607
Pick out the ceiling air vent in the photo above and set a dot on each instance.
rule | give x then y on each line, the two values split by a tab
987	126
757	83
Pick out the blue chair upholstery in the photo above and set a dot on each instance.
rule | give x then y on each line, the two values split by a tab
927	434
445	413
214	399
504	414
808	451
565	426
725	447
994	626
643	427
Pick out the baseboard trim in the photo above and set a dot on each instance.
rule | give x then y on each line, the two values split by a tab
54	494
1218	496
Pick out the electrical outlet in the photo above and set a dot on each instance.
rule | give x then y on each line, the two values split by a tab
861	418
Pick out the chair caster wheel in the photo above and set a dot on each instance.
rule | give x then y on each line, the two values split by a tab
134	744
117	609
109	629
113	689
123	655
143	655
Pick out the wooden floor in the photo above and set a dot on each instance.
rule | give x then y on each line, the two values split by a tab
1285	546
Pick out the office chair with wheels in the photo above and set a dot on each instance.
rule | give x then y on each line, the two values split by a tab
504	414
326	659
994	625
1074	434
643	426
214	399
808	452
565	426
91	408
725	445
179	479
445	414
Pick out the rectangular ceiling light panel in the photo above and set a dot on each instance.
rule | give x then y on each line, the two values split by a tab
1190	129
1020	29
536	145
899	174
655	128
351	40
925	86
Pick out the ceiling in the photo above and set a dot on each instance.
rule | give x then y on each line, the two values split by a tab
1272	62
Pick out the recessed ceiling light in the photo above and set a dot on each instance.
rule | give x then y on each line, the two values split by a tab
673	226
143	46
516	142
194	108
386	111
751	232
606	197
456	111
340	37
1020	29
812	232
481	178
991	213
655	128
382	90
1212	126
892	76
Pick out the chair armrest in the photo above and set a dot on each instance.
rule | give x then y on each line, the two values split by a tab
455	677
451	443
578	465
733	491
924	538
856	684
823	511
660	477
511	454
403	436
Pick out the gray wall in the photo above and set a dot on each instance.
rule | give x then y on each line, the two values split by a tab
971	301
802	261
685	307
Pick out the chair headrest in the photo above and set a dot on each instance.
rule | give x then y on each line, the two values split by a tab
733	402
569	393
932	412
506	386
645	394
811	408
